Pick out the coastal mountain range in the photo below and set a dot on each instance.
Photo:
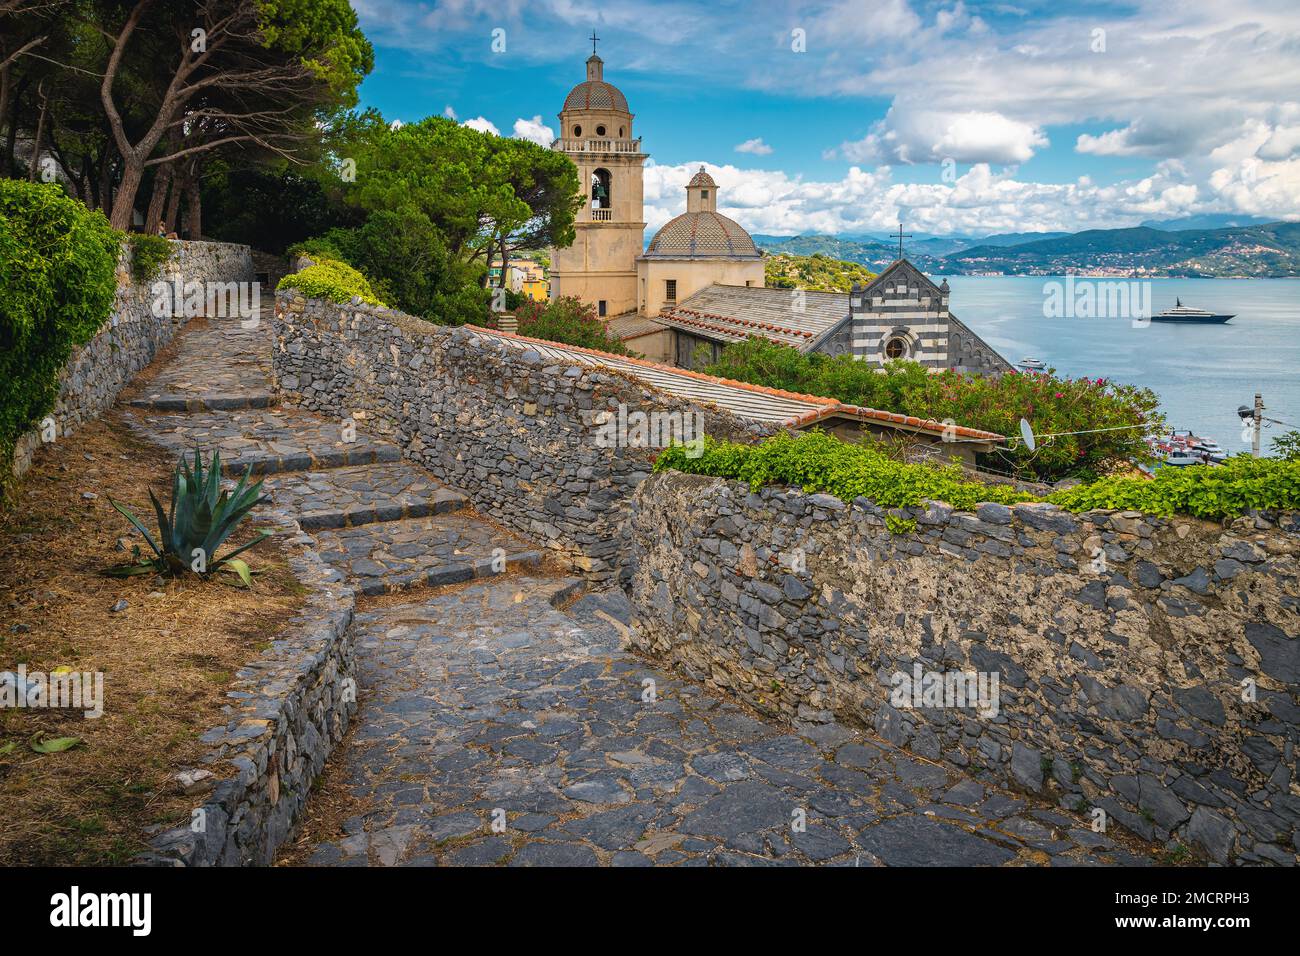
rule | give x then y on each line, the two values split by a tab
1220	246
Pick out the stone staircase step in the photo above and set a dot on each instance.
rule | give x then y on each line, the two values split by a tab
262	441
435	550
351	496
204	403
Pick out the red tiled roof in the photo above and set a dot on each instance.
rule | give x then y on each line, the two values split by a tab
827	407
720	323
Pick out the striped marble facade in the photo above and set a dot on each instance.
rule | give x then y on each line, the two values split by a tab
901	305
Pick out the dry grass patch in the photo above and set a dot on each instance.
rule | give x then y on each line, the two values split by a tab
168	658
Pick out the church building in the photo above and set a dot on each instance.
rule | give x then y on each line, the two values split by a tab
596	133
699	284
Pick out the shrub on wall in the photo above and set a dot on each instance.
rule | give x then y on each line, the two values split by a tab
58	263
1051	404
408	265
817	462
148	253
1242	483
570	321
1287	445
330	279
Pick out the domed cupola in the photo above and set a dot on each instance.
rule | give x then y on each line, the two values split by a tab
702	232
594	93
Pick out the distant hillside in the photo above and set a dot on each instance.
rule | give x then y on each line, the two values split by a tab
927	252
815	273
873	255
1212	220
1253	251
1016	238
1258	251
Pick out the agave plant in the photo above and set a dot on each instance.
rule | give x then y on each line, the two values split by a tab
201	517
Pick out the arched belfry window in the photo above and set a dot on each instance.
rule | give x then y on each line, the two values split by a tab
601	197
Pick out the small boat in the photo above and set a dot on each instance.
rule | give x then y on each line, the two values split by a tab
1032	363
1180	449
1209	451
1183	313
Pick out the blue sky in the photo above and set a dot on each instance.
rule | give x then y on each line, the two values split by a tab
958	116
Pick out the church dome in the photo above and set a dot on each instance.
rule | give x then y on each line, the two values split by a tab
701	232
594	93
704	233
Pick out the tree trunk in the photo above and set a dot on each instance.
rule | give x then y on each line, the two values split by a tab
174	202
35	164
124	199
11	135
193	208
161	182
6	92
105	192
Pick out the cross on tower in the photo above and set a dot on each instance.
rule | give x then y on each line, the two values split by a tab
901	236
594	38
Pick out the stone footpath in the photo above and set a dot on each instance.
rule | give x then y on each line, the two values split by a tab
499	727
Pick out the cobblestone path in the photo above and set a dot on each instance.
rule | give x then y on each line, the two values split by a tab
503	722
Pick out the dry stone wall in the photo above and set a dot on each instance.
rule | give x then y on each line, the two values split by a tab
514	430
98	371
288	710
1147	667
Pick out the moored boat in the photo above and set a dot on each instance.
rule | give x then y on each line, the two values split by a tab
1180	448
1183	313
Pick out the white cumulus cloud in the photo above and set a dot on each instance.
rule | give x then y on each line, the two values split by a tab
755	146
911	136
534	130
482	125
979	202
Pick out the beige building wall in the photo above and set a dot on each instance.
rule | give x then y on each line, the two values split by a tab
691	276
656	346
601	264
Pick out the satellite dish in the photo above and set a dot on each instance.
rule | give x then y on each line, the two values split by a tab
1027	434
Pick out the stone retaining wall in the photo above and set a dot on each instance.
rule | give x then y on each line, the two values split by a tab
514	431
98	371
288	711
1147	667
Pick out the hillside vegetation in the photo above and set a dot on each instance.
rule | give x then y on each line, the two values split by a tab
815	273
1255	251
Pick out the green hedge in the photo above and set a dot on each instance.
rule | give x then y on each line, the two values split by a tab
58	261
1205	491
330	279
818	462
569	321
148	253
1072	410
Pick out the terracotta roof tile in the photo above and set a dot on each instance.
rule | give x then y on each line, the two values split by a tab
791	409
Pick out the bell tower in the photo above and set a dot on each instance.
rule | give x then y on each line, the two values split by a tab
596	133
